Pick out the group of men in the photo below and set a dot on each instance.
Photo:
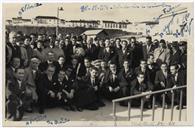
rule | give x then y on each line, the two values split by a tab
77	72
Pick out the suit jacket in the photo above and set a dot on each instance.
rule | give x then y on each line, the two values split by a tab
147	73
161	78
15	50
9	73
137	88
39	54
181	79
43	66
44	85
108	56
175	58
32	79
15	89
92	52
110	82
162	56
137	55
122	56
146	51
90	84
125	78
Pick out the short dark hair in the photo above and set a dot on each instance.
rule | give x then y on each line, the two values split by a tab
149	37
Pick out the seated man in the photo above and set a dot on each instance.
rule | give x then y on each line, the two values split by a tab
163	81
66	91
139	86
88	92
46	89
20	95
111	89
179	79
125	78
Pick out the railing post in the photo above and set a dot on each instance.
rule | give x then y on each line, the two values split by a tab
172	105
114	112
153	107
129	110
142	106
163	107
180	104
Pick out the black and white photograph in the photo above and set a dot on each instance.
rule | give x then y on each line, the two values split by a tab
97	63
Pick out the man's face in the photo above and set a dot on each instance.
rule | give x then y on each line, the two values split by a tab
173	70
12	38
61	75
56	43
39	45
50	71
124	44
93	73
161	45
103	64
117	42
140	78
16	62
40	37
151	59
32	37
27	41
61	60
126	64
113	68
164	67
20	74
148	41
50	56
35	64
87	63
107	43
74	61
143	64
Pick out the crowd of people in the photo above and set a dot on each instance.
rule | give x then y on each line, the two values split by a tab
79	72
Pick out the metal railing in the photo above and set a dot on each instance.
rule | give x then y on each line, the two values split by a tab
129	98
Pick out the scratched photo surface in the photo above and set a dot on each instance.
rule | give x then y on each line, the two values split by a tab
98	64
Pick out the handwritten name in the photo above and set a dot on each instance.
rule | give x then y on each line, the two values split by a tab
35	119
27	7
62	120
105	7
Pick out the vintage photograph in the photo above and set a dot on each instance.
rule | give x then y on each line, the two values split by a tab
98	64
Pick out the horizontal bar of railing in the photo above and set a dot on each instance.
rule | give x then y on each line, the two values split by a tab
151	93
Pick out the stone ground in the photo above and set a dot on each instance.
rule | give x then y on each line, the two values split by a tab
103	116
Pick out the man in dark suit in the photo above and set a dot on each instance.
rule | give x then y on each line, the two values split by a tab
91	50
50	61
112	86
143	69
14	50
136	50
179	79
65	91
139	86
46	89
124	54
108	53
148	47
163	81
175	57
125	78
20	95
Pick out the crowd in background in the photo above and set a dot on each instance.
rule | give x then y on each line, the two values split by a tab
80	72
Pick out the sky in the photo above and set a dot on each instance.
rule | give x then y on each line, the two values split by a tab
134	12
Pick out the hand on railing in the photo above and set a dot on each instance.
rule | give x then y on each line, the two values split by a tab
173	88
